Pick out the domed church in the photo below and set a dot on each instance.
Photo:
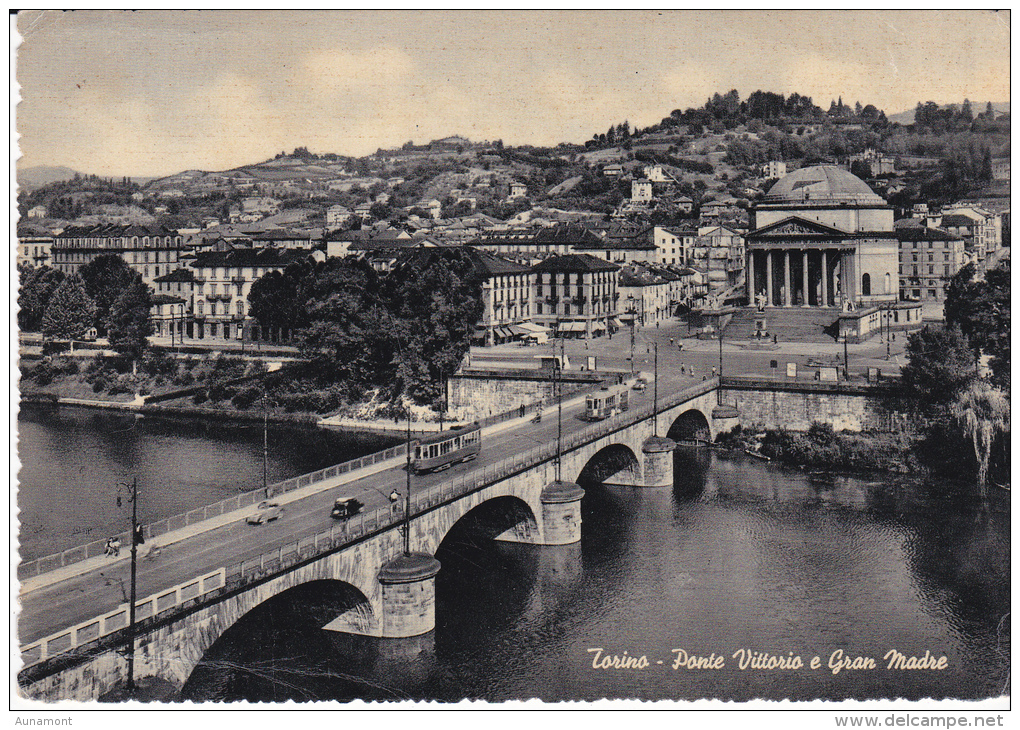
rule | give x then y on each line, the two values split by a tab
822	238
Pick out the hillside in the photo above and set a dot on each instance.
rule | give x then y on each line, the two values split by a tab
33	178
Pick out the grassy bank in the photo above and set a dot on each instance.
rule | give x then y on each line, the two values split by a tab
822	448
210	386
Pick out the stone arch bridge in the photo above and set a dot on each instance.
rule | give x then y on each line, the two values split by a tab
393	590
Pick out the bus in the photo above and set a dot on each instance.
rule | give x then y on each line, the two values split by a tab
606	403
435	453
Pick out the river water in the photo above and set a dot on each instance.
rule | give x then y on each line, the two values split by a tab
73	458
739	555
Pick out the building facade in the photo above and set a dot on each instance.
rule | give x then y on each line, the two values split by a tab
822	238
576	295
929	258
34	250
222	283
150	250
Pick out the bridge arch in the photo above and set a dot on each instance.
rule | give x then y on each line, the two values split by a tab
690	425
607	461
506	516
300	609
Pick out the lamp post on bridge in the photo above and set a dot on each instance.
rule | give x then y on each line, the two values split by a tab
135	538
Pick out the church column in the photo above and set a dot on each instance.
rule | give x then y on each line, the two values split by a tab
786	279
807	297
768	276
750	277
825	279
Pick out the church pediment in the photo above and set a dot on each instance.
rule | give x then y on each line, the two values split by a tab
796	227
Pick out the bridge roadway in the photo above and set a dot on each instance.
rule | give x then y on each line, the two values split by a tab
49	609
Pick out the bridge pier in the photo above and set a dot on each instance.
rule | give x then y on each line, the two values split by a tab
658	466
408	595
561	513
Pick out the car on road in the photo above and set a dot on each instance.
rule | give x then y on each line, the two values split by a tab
345	507
639	385
265	512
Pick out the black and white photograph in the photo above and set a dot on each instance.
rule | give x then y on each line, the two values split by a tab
373	358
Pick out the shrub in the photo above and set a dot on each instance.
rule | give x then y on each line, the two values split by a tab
246	397
219	391
95	365
821	433
99	384
71	367
43	374
190	363
199	398
185	378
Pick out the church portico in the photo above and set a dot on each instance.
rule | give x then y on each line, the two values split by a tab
799	276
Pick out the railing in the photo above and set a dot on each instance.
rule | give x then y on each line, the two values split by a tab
340	534
117	620
155	529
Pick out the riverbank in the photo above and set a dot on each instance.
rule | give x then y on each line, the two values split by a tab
821	448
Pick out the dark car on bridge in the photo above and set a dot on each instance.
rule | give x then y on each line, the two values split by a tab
345	507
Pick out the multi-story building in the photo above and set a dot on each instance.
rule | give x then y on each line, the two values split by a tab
337	215
1000	168
150	250
641	191
982	237
34	249
576	295
644	296
649	245
506	296
929	258
719	251
531	246
773	170
222	283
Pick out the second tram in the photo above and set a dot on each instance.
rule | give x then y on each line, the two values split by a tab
434	453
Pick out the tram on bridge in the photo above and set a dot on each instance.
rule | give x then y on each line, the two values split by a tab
435	453
606	403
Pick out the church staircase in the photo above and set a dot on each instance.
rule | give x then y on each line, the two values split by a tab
793	324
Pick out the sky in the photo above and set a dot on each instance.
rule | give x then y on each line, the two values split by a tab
150	93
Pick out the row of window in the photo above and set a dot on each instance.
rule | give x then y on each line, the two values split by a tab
214	308
946	270
145	241
931	257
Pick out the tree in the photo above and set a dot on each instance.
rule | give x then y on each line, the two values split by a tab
940	366
129	323
37	287
980	309
435	299
982	412
106	277
70	312
347	333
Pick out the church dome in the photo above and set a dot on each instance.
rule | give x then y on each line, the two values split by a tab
822	184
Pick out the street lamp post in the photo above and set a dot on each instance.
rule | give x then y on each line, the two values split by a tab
134	572
655	393
558	392
407	489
